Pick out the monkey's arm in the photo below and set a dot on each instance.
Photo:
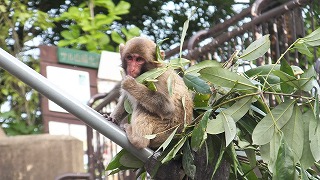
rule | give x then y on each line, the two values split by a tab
156	102
119	113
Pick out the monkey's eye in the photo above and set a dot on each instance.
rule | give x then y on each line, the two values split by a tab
140	59
129	57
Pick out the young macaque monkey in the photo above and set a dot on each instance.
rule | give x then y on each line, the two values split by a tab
154	112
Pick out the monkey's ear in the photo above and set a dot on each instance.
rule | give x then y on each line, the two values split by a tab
121	47
162	54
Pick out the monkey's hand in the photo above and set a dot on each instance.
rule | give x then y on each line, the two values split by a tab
109	118
128	83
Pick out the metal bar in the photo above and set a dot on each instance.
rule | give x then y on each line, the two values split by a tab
193	54
90	151
70	104
189	43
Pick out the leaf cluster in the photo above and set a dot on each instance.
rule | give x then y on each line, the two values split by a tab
20	25
90	30
279	139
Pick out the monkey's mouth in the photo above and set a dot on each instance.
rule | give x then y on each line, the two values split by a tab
132	74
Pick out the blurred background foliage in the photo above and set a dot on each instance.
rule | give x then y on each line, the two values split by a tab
27	24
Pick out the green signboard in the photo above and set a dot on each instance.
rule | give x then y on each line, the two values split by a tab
78	58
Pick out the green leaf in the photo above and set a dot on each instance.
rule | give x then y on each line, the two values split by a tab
134	31
75	31
196	84
293	133
234	159
130	161
201	100
128	106
142	175
316	107
122	8
307	159
153	74
240	108
288	79
264	131
199	134
115	161
178	63
63	43
172	153
116	171
194	69
225	78
73	11
251	154
159	56
285	67
103	3
264	70
256	49
3	9
308	80
184	31
229	128
219	160
150	85
313	39
100	20
314	137
165	144
250	173
215	126
303	49
284	166
115	36
187	161
265	152
314	35
236	111
104	42
66	34
274	148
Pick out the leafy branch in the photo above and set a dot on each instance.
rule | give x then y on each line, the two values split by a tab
231	108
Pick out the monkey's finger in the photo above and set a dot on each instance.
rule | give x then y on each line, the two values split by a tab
106	116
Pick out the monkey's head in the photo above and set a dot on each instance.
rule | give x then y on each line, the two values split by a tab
138	55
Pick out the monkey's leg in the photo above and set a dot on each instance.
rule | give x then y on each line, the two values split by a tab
139	128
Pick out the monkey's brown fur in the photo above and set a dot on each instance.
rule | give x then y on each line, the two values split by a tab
154	112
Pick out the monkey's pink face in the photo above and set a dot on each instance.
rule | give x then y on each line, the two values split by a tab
134	64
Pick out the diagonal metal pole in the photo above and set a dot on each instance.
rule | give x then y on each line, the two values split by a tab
70	104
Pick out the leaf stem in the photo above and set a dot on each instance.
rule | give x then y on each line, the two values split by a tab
234	99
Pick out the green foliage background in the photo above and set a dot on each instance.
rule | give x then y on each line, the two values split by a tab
91	25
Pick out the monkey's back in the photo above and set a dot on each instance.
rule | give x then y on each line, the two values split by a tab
182	113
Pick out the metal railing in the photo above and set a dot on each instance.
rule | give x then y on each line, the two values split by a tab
69	103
